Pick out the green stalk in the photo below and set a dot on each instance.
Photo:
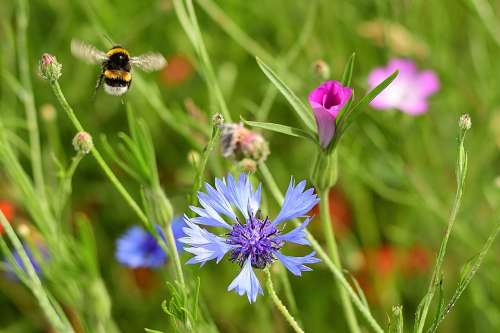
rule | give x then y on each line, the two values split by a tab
61	324
114	180
436	274
29	101
337	273
324	214
279	305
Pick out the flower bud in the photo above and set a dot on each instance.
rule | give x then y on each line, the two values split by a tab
321	69
465	122
218	119
49	69
239	143
194	158
248	165
48	112
324	173
83	142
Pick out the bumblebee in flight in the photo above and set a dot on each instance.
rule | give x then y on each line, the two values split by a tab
116	65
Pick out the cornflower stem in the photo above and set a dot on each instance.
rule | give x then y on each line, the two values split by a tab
281	307
198	181
461	171
287	289
324	213
337	273
98	157
29	101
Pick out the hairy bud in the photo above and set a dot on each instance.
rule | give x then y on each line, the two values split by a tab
83	142
48	68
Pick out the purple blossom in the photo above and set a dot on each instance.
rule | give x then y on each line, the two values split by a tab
326	102
138	248
409	91
252	241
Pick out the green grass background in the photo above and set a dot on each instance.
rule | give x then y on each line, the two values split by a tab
396	171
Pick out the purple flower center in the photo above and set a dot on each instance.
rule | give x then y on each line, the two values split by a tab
255	238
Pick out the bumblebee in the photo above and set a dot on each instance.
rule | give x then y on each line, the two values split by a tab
116	65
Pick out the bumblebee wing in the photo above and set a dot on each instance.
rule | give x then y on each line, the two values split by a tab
149	62
87	52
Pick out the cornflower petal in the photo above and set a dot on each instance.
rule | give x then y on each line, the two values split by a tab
297	202
297	235
218	201
247	283
240	193
208	217
203	244
297	265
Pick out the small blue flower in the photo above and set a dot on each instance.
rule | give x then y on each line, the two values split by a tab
251	240
138	248
42	251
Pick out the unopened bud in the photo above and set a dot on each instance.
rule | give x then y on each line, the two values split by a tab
49	69
248	165
239	143
465	122
83	142
218	119
321	69
48	112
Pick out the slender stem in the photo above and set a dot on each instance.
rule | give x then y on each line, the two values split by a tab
461	171
324	213
203	163
287	288
29	101
116	183
61	324
365	311
281	307
169	235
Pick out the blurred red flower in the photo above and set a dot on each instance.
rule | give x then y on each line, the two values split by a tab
178	70
416	260
8	211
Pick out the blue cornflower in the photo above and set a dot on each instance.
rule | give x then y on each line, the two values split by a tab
42	252
252	241
138	248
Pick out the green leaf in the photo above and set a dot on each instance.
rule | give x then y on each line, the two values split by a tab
352	113
283	129
349	67
302	111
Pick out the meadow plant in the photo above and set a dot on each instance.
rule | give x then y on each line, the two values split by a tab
227	199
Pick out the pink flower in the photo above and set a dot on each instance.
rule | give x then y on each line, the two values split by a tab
326	101
409	91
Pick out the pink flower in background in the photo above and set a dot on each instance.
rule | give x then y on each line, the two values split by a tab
409	91
326	101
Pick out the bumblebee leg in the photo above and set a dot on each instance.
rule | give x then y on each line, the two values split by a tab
98	85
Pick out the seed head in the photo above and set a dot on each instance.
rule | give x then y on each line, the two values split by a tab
465	122
239	143
83	142
48	68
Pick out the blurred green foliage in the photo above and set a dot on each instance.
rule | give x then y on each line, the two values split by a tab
396	172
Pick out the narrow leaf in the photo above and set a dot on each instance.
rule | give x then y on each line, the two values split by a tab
302	111
283	129
349	67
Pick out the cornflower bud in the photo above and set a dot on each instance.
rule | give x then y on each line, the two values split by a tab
465	122
239	143
48	68
83	142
